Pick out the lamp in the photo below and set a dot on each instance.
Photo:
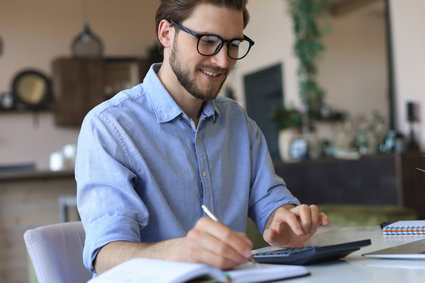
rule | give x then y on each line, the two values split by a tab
86	44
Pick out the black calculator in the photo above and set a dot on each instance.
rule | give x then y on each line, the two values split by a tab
309	254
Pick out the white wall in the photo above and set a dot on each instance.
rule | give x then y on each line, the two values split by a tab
353	68
271	29
35	32
408	24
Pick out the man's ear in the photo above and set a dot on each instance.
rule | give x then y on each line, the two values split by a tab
165	33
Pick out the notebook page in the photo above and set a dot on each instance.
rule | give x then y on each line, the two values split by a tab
160	271
256	272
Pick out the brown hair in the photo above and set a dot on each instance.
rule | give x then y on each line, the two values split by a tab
179	10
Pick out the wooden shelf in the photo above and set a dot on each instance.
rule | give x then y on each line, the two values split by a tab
81	84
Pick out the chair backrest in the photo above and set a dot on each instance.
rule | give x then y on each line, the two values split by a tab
56	252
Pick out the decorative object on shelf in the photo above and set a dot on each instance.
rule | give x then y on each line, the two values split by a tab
64	159
86	44
31	90
299	149
369	133
393	142
6	101
289	122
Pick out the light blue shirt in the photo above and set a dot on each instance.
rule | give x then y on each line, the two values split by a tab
143	168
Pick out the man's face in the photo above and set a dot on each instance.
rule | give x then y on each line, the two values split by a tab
203	76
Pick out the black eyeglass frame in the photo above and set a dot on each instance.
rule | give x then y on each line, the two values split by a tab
223	41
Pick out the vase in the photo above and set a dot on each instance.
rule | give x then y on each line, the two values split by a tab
285	139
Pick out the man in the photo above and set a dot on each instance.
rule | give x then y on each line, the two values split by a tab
151	156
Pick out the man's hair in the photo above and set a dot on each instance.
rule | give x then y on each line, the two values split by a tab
180	10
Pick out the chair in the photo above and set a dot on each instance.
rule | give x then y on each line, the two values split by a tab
56	252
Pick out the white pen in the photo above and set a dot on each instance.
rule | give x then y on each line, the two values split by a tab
211	215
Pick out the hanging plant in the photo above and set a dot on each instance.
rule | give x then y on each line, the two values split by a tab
308	49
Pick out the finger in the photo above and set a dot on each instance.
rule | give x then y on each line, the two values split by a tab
324	219
291	220
238	242
271	237
315	218
214	251
305	218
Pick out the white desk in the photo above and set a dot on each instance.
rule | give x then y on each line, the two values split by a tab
355	268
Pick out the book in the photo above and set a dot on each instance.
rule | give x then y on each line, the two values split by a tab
162	271
405	227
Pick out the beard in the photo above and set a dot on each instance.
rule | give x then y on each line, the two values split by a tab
188	81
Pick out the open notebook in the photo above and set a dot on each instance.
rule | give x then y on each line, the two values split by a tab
152	270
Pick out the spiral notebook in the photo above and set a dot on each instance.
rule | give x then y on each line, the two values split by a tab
413	227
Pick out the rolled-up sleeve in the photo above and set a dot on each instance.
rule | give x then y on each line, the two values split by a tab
108	205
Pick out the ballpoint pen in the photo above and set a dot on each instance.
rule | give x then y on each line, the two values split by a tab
215	219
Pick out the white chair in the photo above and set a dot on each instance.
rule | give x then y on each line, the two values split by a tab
56	252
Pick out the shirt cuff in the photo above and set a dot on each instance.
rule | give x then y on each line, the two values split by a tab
105	230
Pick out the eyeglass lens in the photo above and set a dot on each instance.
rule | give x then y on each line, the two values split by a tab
209	45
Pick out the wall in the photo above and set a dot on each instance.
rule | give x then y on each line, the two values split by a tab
28	138
340	69
353	68
35	32
271	29
408	24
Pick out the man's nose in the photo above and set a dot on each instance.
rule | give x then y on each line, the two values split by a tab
222	59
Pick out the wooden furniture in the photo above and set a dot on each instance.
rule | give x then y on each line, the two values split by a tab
81	84
371	180
27	200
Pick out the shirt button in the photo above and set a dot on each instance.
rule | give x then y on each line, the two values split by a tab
204	174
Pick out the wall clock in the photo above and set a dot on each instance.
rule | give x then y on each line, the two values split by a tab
31	90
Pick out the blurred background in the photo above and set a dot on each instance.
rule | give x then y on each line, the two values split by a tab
355	149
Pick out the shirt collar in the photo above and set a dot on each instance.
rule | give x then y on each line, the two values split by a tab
210	110
165	108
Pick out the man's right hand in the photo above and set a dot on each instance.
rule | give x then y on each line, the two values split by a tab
209	242
214	244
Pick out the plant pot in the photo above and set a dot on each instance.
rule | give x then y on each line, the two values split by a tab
285	139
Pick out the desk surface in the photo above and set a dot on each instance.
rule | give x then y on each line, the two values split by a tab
355	268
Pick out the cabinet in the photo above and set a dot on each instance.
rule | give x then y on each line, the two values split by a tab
81	84
371	180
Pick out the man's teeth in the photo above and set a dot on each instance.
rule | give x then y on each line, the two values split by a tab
211	74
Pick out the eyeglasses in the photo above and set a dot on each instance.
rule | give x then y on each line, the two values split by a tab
210	44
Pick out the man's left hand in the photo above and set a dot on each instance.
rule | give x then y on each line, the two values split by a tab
291	226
